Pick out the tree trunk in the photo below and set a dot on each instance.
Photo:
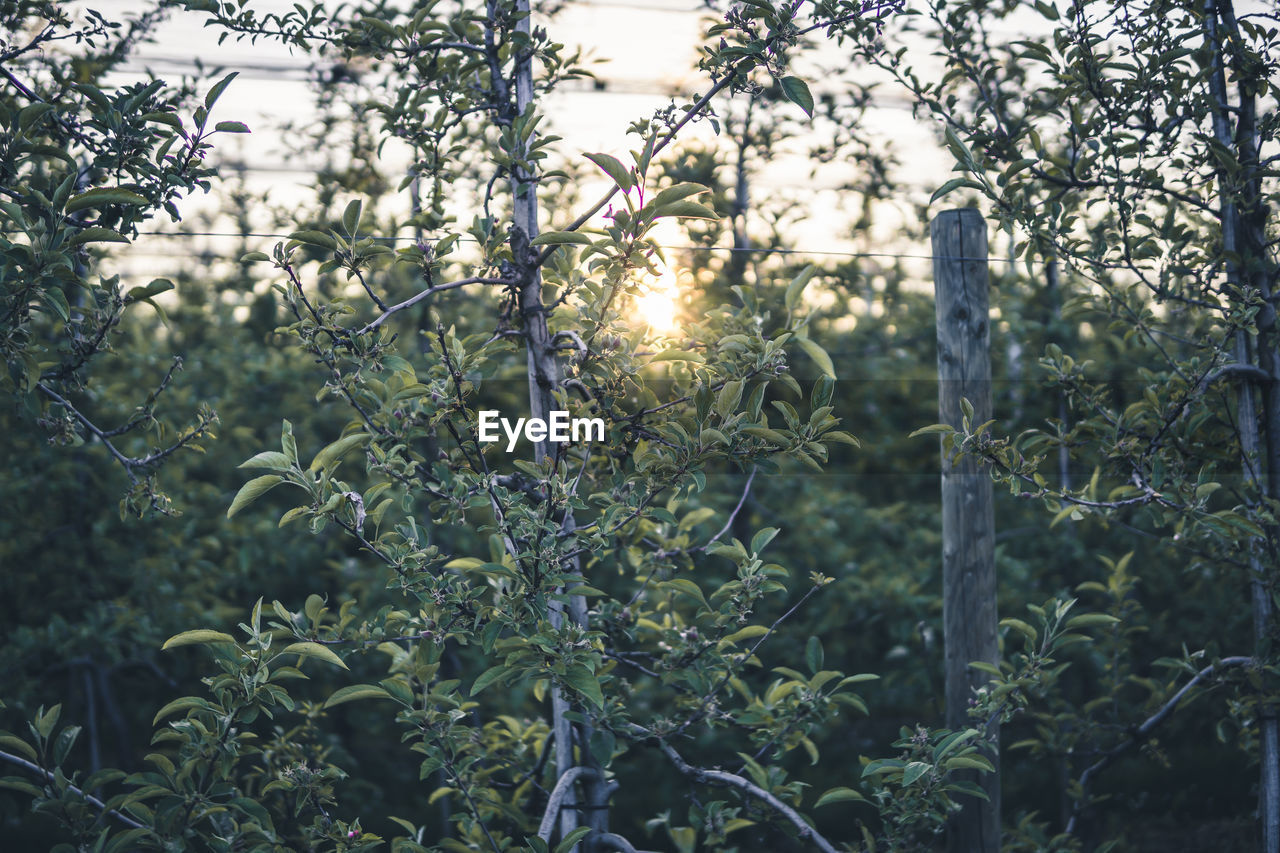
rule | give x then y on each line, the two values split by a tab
1243	244
544	379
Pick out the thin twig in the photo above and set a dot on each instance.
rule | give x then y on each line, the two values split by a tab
746	490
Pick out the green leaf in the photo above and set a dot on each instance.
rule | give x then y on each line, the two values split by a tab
762	539
29	115
686	210
685	587
797	92
100	196
351	216
253	490
315	238
958	147
1091	620
677	355
17	744
287	443
913	771
357	691
333	453
573	838
489	676
613	167
218	88
813	655
46	720
1021	627
1047	9
57	300
13	783
838	795
693	519
313	607
314	650
556	238
97	235
153	288
63	743
679	192
170	119
819	356
933	429
585	682
951	185
728	398
858	679
183	704
969	762
748	633
1205	489
797	285
273	459
202	636
231	127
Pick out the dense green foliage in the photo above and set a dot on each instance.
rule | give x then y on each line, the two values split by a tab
719	628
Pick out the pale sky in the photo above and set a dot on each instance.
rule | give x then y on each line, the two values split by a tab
647	51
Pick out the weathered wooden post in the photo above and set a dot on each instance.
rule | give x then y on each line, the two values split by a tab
968	526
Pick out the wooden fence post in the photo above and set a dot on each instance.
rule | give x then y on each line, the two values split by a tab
969	619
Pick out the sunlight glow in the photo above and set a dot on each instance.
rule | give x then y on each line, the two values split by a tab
657	304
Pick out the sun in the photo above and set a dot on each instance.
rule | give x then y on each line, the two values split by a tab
658	304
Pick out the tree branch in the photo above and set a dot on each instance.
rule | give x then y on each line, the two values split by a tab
733	780
710	694
430	291
613	841
556	800
87	797
1142	732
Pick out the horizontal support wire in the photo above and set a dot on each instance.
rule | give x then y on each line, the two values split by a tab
764	250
